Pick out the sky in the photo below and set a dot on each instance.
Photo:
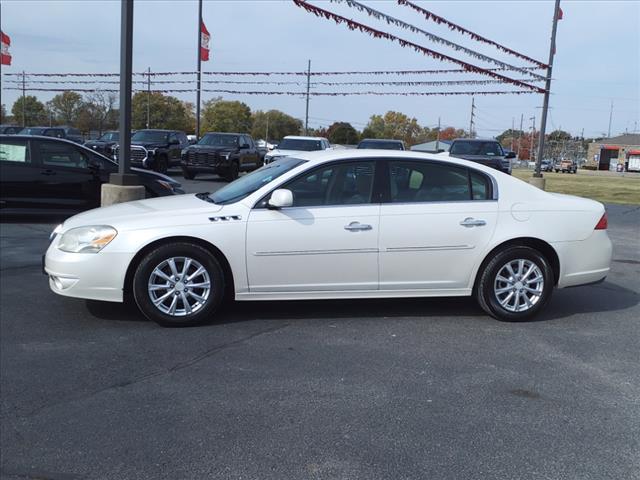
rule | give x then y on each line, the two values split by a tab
597	60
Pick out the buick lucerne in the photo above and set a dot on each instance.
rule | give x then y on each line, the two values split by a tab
337	224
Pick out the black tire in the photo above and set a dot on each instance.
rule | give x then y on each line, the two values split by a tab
557	171
232	172
486	295
162	165
205	310
188	174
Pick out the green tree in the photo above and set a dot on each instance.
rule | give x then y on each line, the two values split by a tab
274	124
165	111
98	112
3	112
32	114
66	107
343	133
559	135
509	134
394	125
226	116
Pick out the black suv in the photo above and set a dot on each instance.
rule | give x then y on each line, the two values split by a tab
10	129
381	144
106	144
48	175
68	133
157	149
223	153
486	152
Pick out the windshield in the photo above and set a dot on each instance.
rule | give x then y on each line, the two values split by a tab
476	148
300	144
247	184
380	145
150	136
217	140
109	137
32	131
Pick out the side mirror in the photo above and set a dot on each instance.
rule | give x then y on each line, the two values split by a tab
510	155
280	198
244	146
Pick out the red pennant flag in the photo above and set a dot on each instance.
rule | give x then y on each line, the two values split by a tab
559	13
5	41
204	42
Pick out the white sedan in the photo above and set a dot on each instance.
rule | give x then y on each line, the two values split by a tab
337	224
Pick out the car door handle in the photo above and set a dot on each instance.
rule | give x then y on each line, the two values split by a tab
48	172
472	222
357	227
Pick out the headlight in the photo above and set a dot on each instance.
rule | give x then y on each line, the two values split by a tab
166	185
152	151
55	232
87	239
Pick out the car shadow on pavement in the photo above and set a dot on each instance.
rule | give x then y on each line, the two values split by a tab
601	298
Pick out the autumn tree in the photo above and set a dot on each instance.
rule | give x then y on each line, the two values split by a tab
98	112
450	133
226	116
165	111
393	125
274	124
343	133
32	114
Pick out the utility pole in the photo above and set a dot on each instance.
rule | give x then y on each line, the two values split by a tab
199	69
473	107
306	117
520	135
533	133
547	91
24	109
610	117
513	126
438	137
266	133
148	96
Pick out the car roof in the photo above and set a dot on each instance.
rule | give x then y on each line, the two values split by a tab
163	130
475	140
223	133
299	137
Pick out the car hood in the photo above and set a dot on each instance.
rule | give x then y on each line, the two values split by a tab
153	175
149	144
99	143
284	153
478	158
140	213
210	148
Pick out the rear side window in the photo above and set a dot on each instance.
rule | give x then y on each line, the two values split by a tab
14	151
418	182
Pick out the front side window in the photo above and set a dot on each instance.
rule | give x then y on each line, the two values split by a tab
32	131
110	137
54	132
337	184
15	151
414	182
61	155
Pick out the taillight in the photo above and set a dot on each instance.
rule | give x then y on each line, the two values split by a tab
602	224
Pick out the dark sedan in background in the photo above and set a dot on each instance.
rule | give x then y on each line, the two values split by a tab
68	133
225	154
45	175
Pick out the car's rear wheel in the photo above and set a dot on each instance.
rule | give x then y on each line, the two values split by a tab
188	174
515	284
178	285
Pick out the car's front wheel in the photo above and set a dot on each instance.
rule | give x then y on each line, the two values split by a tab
179	284
515	284
232	172
188	174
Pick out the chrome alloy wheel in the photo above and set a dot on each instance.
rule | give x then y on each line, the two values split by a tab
519	285
179	286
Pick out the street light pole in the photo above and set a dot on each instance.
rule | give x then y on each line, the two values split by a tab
547	91
199	69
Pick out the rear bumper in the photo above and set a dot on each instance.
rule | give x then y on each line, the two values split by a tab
586	261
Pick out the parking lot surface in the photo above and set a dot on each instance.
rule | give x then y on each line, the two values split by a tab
397	389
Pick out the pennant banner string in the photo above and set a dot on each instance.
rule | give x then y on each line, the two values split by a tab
434	38
353	25
440	20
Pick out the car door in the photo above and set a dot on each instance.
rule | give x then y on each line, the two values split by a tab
250	156
66	180
326	241
18	174
438	218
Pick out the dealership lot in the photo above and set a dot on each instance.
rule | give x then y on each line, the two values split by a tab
338	389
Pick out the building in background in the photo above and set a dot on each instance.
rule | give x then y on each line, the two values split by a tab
615	153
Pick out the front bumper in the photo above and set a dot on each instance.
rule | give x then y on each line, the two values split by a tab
93	276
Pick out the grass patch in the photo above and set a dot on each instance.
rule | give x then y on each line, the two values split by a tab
603	187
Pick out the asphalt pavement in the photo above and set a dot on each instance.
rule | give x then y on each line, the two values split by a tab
383	389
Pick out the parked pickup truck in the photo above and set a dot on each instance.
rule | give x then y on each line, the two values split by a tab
486	152
566	166
156	149
225	154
